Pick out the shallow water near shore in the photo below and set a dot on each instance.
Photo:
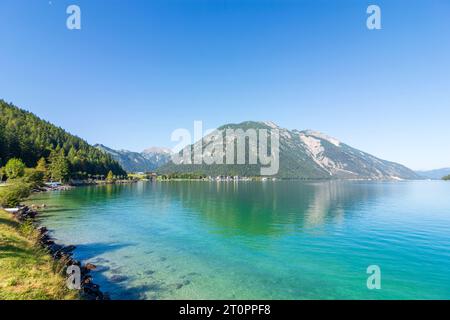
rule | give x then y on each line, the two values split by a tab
259	240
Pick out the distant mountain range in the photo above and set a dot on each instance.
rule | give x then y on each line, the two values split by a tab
306	155
145	161
437	174
303	154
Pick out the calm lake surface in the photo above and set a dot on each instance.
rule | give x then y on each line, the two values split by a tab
259	240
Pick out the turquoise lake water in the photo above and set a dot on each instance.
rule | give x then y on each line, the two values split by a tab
259	240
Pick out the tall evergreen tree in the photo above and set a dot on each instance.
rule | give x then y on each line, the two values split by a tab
110	176
41	167
59	166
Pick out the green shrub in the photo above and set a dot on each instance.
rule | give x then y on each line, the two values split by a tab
34	177
11	195
446	178
14	168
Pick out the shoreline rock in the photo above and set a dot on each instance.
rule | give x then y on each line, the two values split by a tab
62	254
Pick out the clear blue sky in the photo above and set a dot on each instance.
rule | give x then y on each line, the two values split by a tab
137	70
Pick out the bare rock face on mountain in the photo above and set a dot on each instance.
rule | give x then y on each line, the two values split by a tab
157	156
304	155
342	161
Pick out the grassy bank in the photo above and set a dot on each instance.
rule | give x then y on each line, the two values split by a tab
26	271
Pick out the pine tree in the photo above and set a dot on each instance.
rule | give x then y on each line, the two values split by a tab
41	167
110	176
59	166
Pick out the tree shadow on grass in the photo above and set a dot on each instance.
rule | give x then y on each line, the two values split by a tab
12	251
9	223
